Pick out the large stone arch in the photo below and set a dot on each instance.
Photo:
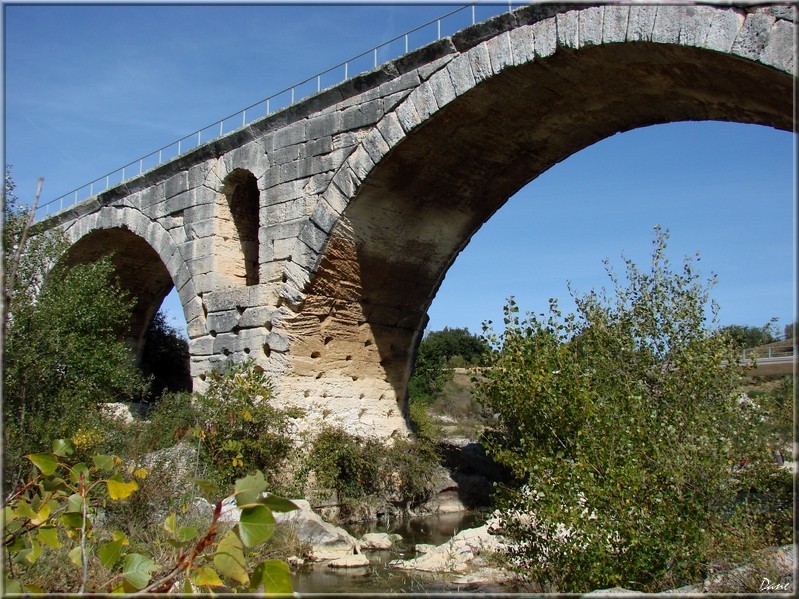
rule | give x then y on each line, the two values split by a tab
506	108
148	262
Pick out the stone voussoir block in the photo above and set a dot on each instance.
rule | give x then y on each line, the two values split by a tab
614	23
780	51
590	25
753	36
545	37
224	321
641	22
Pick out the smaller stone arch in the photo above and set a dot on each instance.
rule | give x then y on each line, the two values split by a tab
236	246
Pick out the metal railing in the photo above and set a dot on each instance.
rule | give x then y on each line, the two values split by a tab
285	98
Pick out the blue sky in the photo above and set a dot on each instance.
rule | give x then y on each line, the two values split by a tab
89	88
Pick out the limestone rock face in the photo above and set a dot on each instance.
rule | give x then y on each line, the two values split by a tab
377	540
327	541
356	560
455	555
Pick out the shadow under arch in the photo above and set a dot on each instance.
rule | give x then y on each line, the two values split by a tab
139	269
421	203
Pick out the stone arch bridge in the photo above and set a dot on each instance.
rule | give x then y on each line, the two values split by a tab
314	240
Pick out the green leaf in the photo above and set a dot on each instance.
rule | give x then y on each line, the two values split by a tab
77	470
278	504
63	447
118	490
75	503
11	586
45	462
229	558
256	525
104	462
187	533
171	523
75	557
137	569
52	485
110	553
48	535
33	553
208	489
248	489
274	575
206	576
72	519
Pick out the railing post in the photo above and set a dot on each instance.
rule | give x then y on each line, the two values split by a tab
198	138
406	43
267	107
318	83
180	140
346	69
141	163
106	181
375	51
438	28
243	117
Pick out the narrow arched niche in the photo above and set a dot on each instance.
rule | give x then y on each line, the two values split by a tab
236	248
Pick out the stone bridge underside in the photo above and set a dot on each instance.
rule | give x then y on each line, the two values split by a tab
313	241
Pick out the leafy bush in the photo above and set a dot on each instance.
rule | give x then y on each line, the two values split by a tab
238	426
359	469
622	428
61	505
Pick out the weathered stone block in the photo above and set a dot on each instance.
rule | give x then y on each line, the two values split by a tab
780	51
391	129
222	322
545	37
522	47
324	216
223	299
324	125
256	316
375	146
362	115
290	135
753	36
614	23
590	26
480	62
177	183
722	29
568	29
278	341
313	236
668	22
201	346
641	23
407	115
361	163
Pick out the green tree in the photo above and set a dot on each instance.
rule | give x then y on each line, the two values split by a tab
622	427
63	352
452	343
745	337
165	356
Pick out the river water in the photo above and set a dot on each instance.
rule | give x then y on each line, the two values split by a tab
378	577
